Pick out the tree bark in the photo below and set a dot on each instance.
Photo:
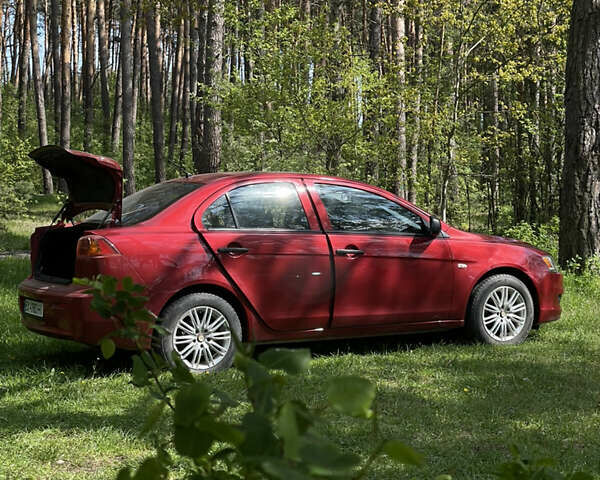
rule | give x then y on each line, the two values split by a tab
398	34
57	78
103	54
198	109
156	97
210	158
23	74
580	193
185	104
174	107
117	110
127	99
65	54
38	89
416	135
88	75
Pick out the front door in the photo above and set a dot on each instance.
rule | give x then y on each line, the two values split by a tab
387	269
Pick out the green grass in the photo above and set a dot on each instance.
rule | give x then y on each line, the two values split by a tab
16	230
65	413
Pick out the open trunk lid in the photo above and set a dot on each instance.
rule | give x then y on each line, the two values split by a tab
94	182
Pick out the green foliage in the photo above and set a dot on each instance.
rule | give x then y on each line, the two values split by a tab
534	469
278	437
544	236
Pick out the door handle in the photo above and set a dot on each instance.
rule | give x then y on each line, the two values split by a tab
233	250
349	251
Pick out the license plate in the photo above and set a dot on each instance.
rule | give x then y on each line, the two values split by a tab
34	308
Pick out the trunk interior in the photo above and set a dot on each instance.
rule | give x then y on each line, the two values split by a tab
56	254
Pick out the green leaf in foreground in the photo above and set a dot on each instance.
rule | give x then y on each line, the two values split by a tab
401	453
352	395
291	361
107	347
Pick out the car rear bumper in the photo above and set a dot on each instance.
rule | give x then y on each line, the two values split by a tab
66	313
550	292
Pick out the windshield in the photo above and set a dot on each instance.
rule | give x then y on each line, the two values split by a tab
148	202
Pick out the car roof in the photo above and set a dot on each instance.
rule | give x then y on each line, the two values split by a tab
240	176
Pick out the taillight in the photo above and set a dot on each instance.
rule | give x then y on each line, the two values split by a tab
95	246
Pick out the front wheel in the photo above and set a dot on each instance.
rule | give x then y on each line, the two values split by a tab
200	330
501	311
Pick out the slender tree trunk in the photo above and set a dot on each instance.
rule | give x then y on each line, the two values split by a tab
127	87
65	54
117	110
156	88
88	75
38	88
198	116
137	59
23	75
103	54
75	77
210	158
416	135
57	78
175	87
400	59
580	193
185	104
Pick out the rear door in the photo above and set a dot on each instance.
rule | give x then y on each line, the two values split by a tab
266	236
387	270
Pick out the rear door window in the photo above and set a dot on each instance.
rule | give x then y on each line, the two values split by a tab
262	206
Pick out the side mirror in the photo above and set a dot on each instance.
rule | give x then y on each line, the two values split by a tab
435	226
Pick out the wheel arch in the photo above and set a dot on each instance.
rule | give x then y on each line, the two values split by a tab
515	272
215	290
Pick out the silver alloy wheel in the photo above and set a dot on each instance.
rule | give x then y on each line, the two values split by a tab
202	337
504	313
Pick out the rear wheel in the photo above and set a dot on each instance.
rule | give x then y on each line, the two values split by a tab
200	330
501	311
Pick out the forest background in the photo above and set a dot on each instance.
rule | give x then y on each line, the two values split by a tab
456	105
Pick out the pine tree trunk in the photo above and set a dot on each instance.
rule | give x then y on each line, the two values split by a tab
156	88
210	158
127	87
416	135
38	89
23	74
400	59
65	54
185	104
175	87
57	78
117	110
88	74
103	54
137	60
198	115
580	193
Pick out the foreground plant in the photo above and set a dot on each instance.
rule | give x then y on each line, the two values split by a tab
277	438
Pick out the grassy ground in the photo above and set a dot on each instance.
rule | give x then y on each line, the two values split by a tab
15	231
64	413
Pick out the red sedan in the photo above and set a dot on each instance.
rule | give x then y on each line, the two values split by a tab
274	257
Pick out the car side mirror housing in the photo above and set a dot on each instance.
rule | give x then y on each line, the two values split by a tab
435	226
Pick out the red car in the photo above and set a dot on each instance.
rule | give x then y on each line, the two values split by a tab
274	257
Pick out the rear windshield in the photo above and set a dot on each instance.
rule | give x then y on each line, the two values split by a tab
146	203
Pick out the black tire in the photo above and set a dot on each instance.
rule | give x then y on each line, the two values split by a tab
497	327
182	310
